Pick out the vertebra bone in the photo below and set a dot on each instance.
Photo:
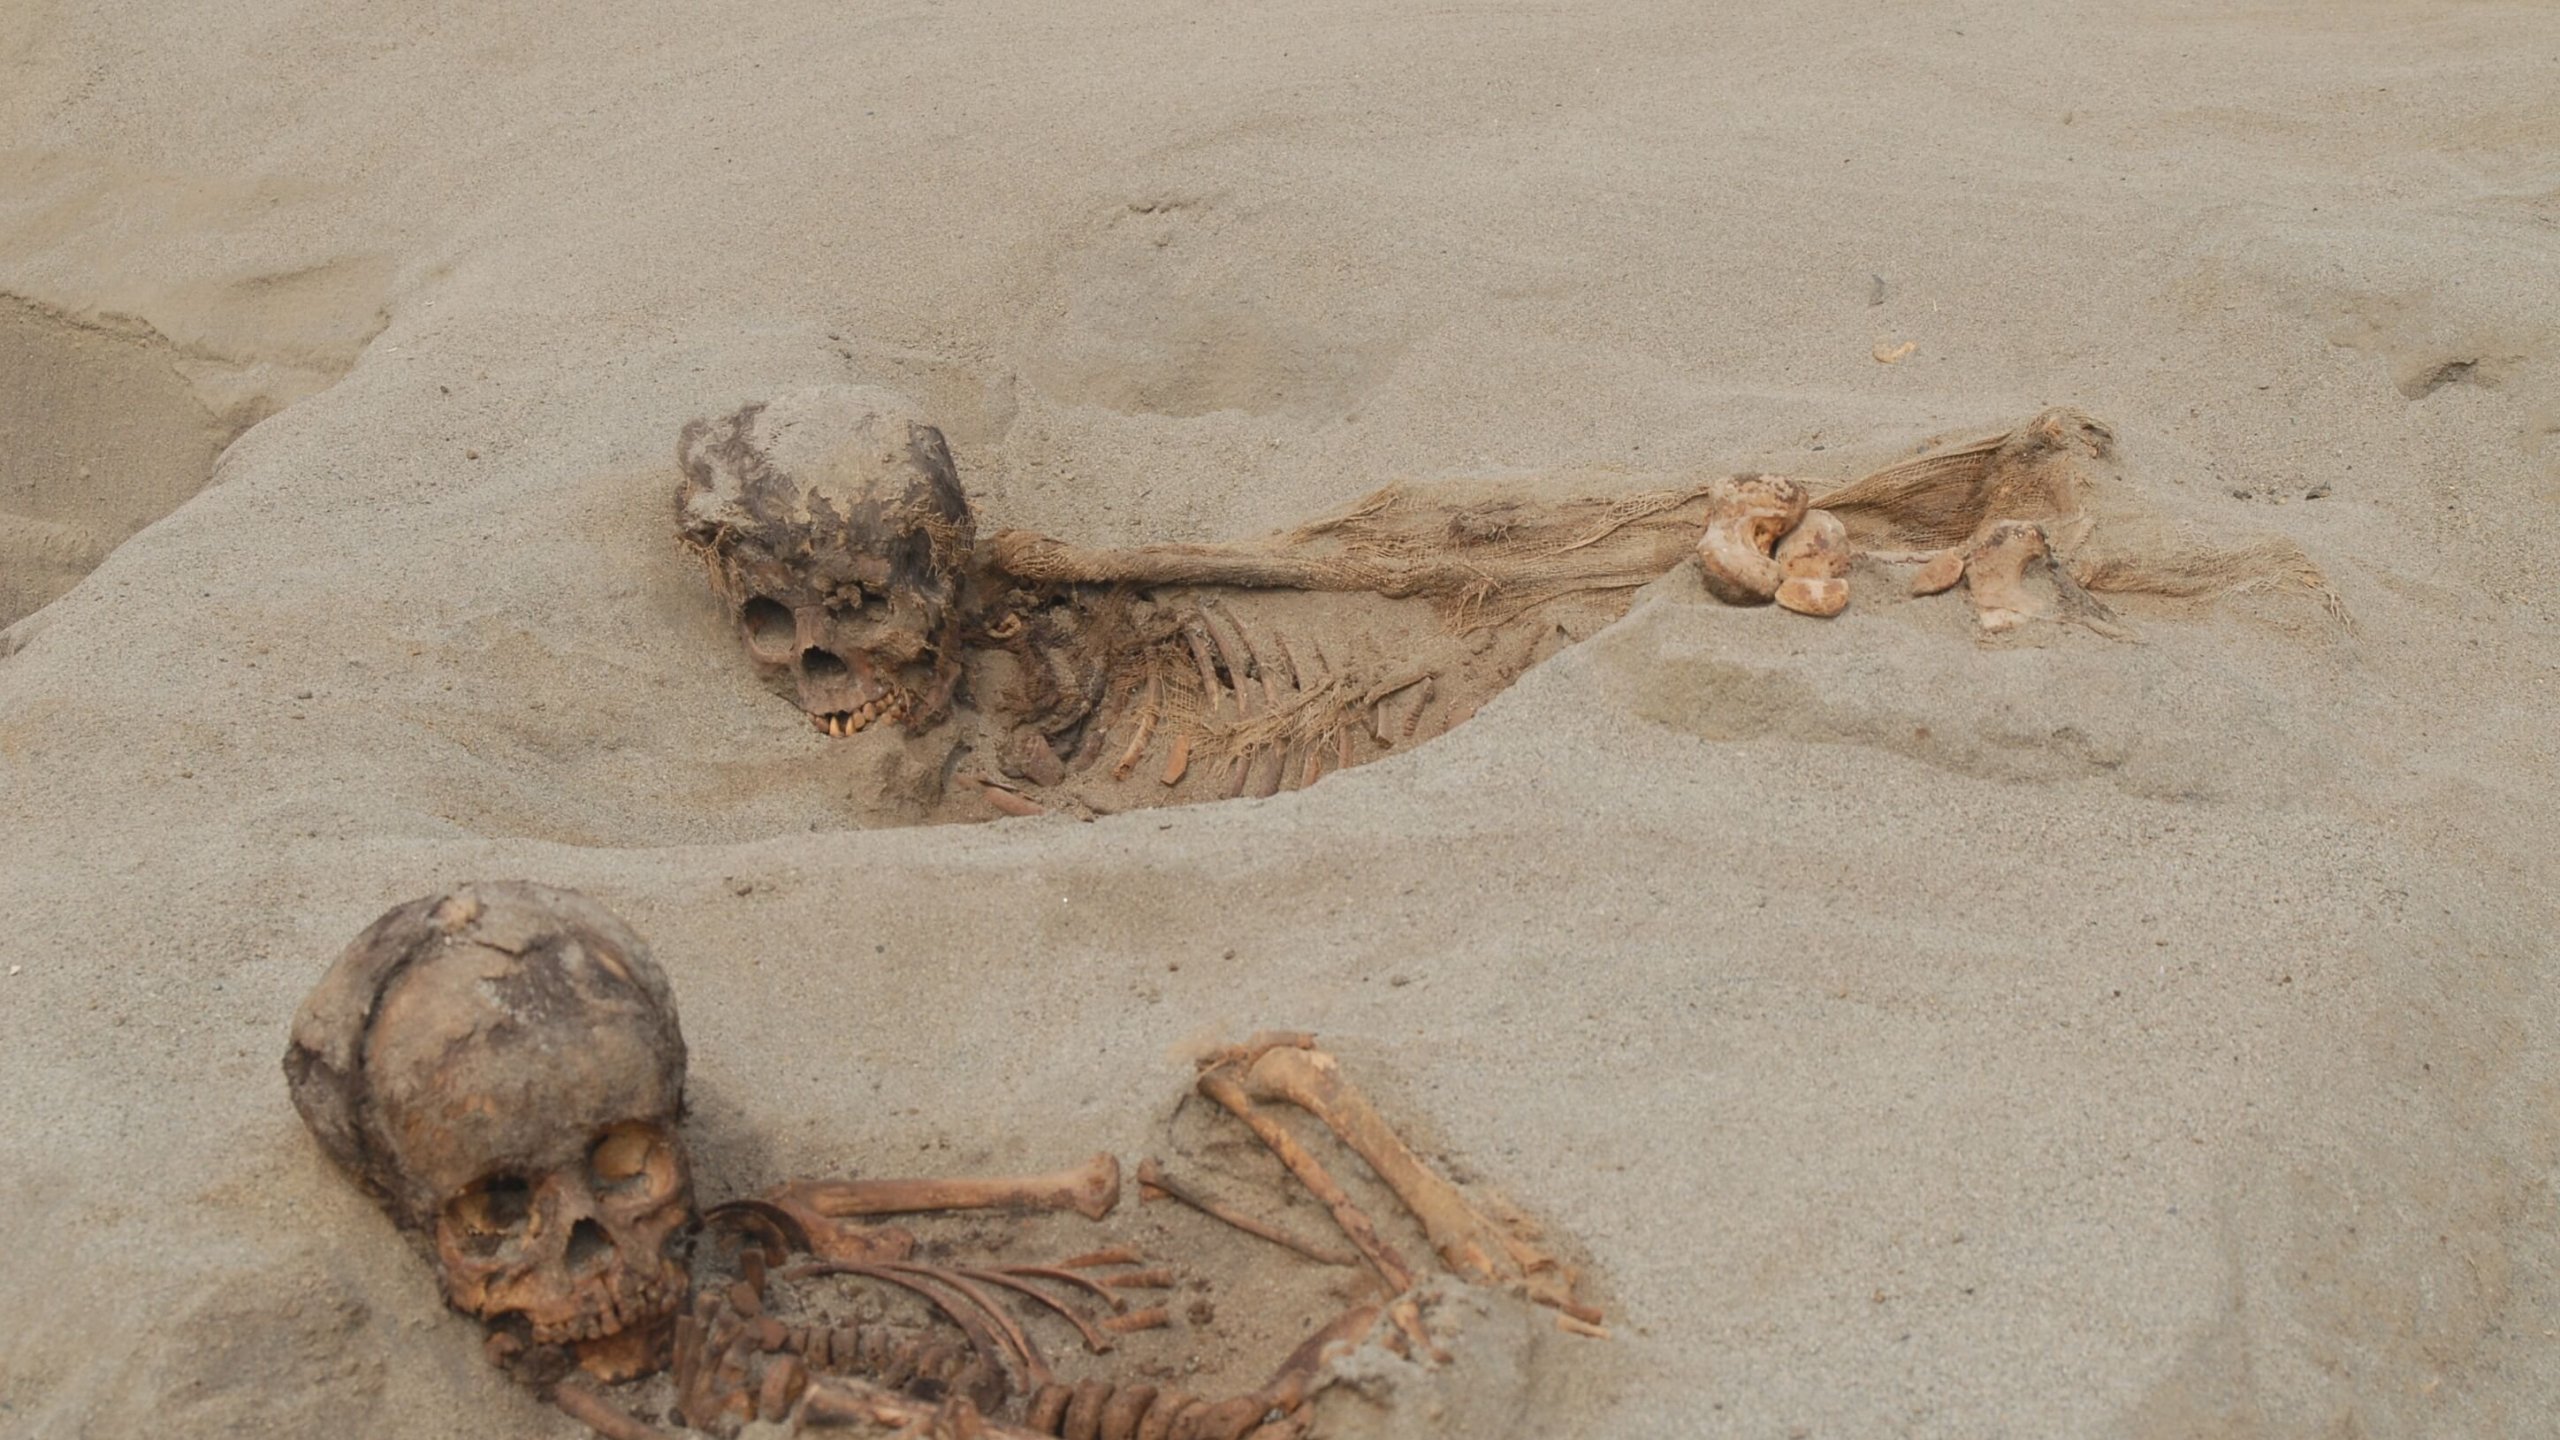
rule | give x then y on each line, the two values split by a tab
1815	557
1745	516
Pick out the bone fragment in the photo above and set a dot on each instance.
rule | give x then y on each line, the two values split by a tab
1995	575
1939	574
1090	1189
1159	1278
1154	1317
1468	1241
1147	710
1011	803
601	1415
1151	1176
1815	557
1745	516
1178	762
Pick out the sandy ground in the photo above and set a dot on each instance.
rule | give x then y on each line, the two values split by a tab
1918	1037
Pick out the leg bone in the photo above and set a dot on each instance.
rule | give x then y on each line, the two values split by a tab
1468	1241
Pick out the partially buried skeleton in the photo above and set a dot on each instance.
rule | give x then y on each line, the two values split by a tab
500	1066
833	523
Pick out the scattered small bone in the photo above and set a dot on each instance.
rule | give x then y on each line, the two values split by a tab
1151	1176
1147	710
1154	1317
1888	353
1815	557
1745	516
601	1415
1011	803
1995	575
1160	1278
1939	574
1421	702
1575	1325
1031	756
1178	762
1406	1312
1090	1189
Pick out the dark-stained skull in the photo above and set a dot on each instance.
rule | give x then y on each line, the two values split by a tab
833	521
500	1066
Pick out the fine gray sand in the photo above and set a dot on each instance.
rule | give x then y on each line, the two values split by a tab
1913	1035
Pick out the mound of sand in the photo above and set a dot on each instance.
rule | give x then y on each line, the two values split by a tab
2066	1036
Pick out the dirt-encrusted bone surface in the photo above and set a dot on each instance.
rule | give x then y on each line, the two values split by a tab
501	1066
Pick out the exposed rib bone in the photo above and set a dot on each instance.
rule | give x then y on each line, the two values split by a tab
1195	638
1151	1176
1147	711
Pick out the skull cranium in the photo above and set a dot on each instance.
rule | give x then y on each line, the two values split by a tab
500	1066
834	522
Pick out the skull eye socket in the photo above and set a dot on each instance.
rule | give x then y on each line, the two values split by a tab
630	1158
489	1214
769	629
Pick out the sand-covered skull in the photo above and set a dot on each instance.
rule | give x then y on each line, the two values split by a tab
500	1066
833	521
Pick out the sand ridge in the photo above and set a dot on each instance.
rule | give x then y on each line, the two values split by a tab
2158	1045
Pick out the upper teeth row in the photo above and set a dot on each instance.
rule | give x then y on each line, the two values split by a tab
852	722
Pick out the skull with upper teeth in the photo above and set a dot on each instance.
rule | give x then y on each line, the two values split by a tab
500	1067
834	523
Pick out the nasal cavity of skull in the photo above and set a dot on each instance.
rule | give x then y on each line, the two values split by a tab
589	1247
770	631
820	664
